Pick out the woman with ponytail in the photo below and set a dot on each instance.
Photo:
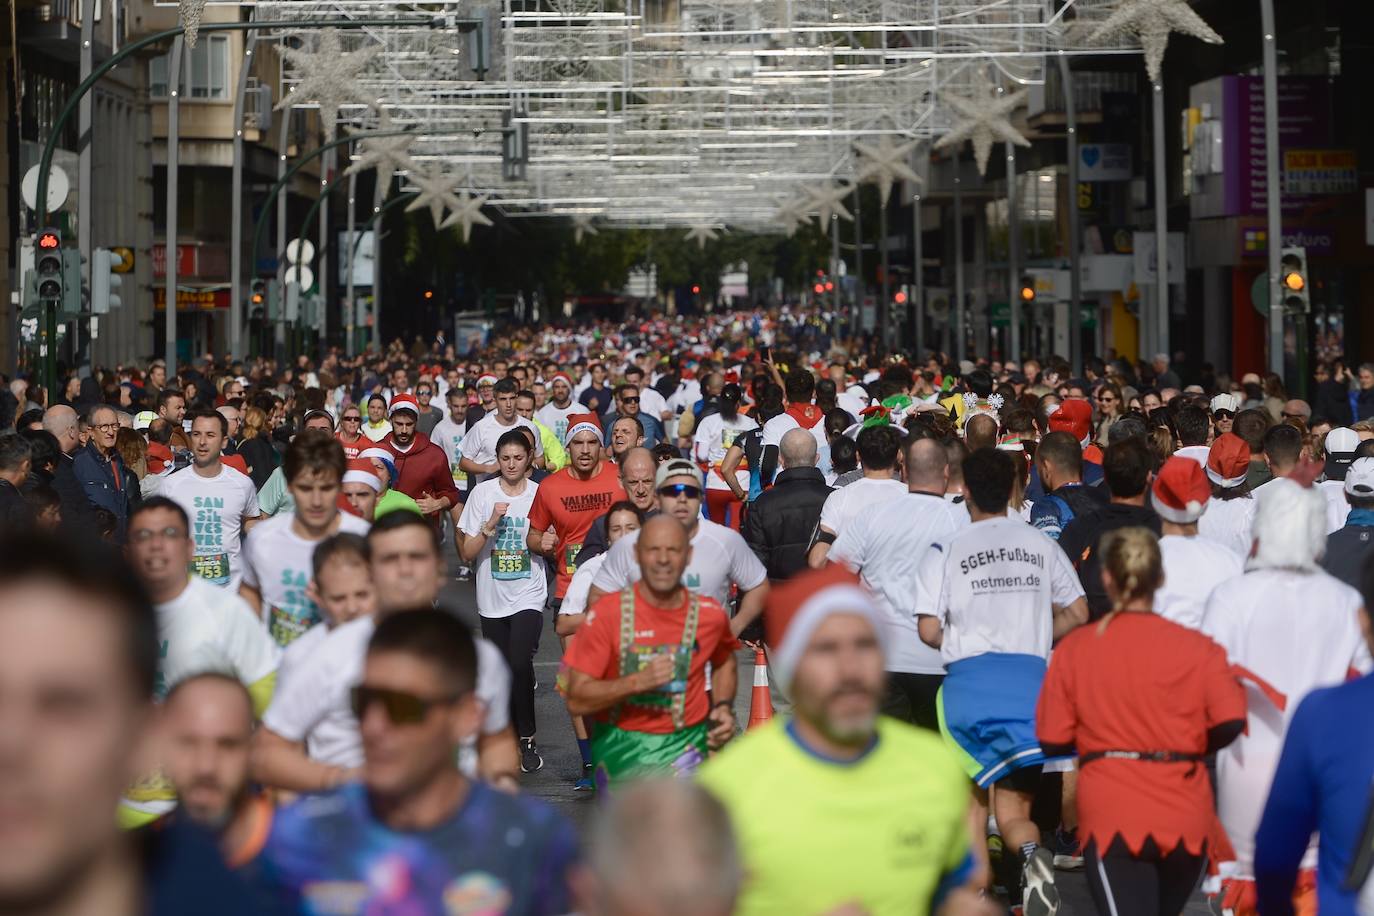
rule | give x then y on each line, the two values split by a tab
1142	702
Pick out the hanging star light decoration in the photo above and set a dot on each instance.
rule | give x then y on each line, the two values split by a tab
436	193
327	76
388	155
827	201
792	215
190	11
983	120
582	225
1150	22
466	214
885	162
702	234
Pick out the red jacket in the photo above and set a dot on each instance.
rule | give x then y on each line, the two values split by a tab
423	470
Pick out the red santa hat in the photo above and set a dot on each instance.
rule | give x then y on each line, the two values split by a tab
1074	416
1228	461
796	608
403	402
1181	491
561	377
360	470
579	423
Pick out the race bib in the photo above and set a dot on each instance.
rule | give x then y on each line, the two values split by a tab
637	657
510	557
213	567
570	555
286	627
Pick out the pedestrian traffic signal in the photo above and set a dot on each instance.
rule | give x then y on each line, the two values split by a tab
1293	280
105	280
74	294
47	266
899	297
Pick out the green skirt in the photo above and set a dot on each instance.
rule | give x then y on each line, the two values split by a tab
620	755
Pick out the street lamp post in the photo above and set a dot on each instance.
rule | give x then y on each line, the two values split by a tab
169	245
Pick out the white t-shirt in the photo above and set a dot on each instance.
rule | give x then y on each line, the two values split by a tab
313	704
1193	566
1227	522
375	433
210	630
994	586
580	586
1297	631
688	393
779	426
849	503
509	577
652	403
1198	453
1336	506
720	556
713	438
277	563
480	442
301	648
886	550
216	507
556	418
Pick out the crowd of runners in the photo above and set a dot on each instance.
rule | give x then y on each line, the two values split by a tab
1017	623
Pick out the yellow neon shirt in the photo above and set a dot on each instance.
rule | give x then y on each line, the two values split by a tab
888	831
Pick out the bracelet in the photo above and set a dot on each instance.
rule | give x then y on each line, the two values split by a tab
728	704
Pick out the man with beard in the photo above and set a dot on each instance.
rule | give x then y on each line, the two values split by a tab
821	801
220	501
207	727
422	469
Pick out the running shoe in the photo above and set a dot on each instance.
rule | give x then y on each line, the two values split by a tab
464	573
530	761
1068	855
1039	895
586	783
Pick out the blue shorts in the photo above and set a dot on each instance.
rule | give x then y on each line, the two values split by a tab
987	711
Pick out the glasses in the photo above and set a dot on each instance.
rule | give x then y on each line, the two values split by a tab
1222	415
1106	400
170	533
105	427
680	489
401	708
630	400
1292	416
355	418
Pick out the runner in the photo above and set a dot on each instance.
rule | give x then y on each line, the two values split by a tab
993	599
1340	445
1292	628
479	445
713	438
277	553
1142	701
887	549
376	426
799	387
781	522
415	818
350	433
555	456
221	502
623	517
422	468
275	496
1230	511
1059	464
1193	566
511	584
560	408
381	462
637	470
718	560
341	584
878	446
1349	548
817	799
638	665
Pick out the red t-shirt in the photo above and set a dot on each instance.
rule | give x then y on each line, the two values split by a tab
595	651
570	506
354	448
1145	684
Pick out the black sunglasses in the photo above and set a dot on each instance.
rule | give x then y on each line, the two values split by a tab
1223	415
401	708
629	400
680	489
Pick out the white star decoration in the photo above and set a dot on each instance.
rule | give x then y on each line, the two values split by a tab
701	235
983	119
190	11
582	225
828	200
436	193
467	213
792	214
885	162
1151	21
327	76
388	155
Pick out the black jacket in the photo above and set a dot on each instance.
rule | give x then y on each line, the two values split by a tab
1347	551
15	512
780	523
97	475
1332	400
1082	536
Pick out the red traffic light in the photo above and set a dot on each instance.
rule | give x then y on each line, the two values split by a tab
49	240
899	298
829	286
695	289
429	294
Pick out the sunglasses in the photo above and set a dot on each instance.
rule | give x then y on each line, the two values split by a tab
630	400
680	489
353	419
401	708
1222	415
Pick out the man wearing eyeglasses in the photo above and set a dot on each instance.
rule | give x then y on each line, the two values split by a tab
200	628
441	841
627	401
108	483
720	557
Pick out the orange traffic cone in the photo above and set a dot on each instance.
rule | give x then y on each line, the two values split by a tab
761	704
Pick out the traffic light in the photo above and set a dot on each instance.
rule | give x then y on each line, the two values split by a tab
47	266
1293	281
257	294
73	293
105	280
1027	291
899	297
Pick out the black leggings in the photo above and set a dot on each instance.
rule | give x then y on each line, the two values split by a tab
517	636
1145	885
911	698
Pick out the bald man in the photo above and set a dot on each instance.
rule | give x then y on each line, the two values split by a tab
781	522
637	479
62	422
650	696
980	431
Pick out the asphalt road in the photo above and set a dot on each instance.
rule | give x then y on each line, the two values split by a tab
562	765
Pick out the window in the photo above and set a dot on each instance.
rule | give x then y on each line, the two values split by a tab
204	72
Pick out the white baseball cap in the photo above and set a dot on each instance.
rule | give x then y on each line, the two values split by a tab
1359	478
